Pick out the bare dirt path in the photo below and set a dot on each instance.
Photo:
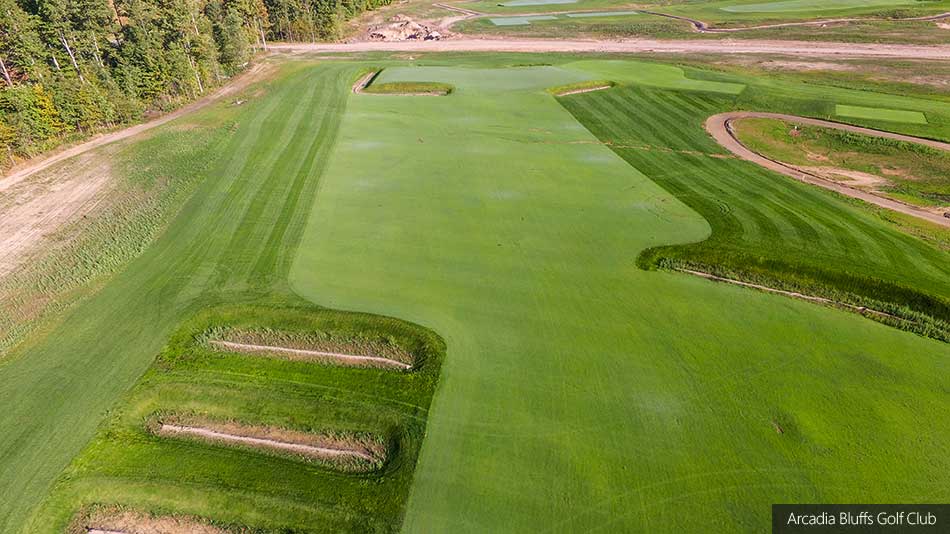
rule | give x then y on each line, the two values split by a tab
24	170
723	46
720	128
351	359
308	450
705	27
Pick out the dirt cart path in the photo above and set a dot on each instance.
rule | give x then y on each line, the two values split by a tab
720	127
20	172
723	46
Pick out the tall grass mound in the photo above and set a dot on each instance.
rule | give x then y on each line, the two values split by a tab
271	443
410	88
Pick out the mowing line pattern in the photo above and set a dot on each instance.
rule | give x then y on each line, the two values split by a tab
768	230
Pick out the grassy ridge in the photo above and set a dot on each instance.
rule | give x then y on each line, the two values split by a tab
264	491
409	88
766	228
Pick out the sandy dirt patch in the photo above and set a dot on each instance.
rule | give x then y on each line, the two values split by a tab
311	355
112	521
31	210
806	65
720	128
852	178
585	90
320	447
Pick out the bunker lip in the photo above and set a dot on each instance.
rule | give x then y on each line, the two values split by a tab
247	438
308	354
113	519
364	80
793	294
584	90
720	128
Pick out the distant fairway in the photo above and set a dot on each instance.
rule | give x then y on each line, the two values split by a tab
574	390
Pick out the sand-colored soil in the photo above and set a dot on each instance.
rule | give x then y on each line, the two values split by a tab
725	46
315	355
319	447
720	127
585	90
32	210
127	522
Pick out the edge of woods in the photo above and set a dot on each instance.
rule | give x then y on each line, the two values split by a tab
854	288
131	468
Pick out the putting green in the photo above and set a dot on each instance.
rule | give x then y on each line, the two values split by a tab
879	114
653	74
799	6
579	392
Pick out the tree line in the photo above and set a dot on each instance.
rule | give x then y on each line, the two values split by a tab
70	67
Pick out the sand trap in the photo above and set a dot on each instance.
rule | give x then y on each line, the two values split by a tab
119	521
328	451
315	355
585	90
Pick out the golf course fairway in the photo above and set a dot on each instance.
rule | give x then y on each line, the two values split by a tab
489	236
580	393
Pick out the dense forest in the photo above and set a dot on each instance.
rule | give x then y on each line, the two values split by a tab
70	67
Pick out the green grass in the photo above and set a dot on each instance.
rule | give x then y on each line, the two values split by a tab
578	391
810	7
653	74
233	236
128	466
877	114
913	172
766	228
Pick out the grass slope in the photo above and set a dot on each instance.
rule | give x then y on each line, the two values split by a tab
231	239
578	391
128	466
765	228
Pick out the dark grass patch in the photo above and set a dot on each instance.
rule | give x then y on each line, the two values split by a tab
410	88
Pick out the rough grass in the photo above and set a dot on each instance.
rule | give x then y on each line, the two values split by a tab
230	239
917	173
